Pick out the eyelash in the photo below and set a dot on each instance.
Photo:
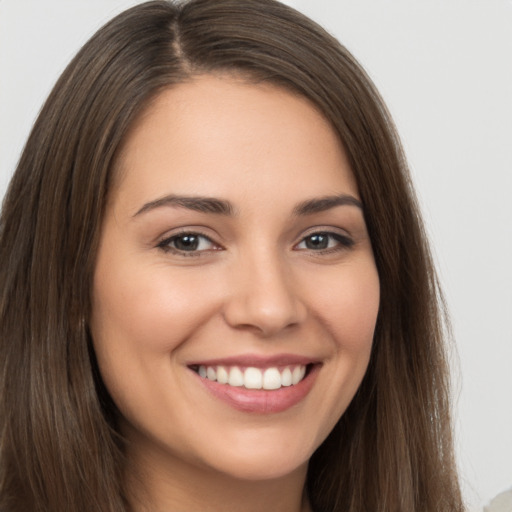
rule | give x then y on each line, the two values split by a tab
342	242
166	244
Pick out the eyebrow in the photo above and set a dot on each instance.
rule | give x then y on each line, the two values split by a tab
196	203
223	207
322	204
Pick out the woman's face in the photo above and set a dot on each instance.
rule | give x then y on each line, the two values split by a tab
235	293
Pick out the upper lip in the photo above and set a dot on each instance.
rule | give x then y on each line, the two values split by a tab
257	360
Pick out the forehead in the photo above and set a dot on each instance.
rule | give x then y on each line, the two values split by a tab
221	135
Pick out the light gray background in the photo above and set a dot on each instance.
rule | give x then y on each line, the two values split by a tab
445	69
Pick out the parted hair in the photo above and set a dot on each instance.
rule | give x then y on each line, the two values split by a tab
60	449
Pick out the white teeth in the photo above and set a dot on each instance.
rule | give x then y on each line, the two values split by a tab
236	377
254	378
298	374
222	375
286	377
271	379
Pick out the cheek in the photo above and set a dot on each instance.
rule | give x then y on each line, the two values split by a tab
138	326
141	316
348	304
154	309
345	304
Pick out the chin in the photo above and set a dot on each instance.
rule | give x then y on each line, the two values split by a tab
266	456
264	469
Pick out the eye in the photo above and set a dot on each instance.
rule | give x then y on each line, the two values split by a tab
325	241
188	243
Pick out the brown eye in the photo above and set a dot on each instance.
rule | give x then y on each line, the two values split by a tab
187	243
325	241
317	241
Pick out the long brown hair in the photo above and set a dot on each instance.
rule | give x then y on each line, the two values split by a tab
60	450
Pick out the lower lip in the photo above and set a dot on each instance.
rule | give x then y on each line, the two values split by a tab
259	400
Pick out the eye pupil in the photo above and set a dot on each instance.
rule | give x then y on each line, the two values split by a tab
186	242
317	241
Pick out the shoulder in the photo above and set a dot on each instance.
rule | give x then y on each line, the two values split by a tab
502	503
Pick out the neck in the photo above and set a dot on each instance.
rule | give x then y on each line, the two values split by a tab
156	484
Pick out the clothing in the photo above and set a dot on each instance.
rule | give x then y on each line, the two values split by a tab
502	503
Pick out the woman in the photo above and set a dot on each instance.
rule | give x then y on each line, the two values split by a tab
216	289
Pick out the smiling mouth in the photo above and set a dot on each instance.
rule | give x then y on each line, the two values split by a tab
258	385
253	378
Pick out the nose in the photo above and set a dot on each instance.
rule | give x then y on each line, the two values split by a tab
263	297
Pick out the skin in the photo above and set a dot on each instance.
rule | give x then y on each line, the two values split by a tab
255	285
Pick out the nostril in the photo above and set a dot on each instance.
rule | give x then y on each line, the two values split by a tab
263	317
262	297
